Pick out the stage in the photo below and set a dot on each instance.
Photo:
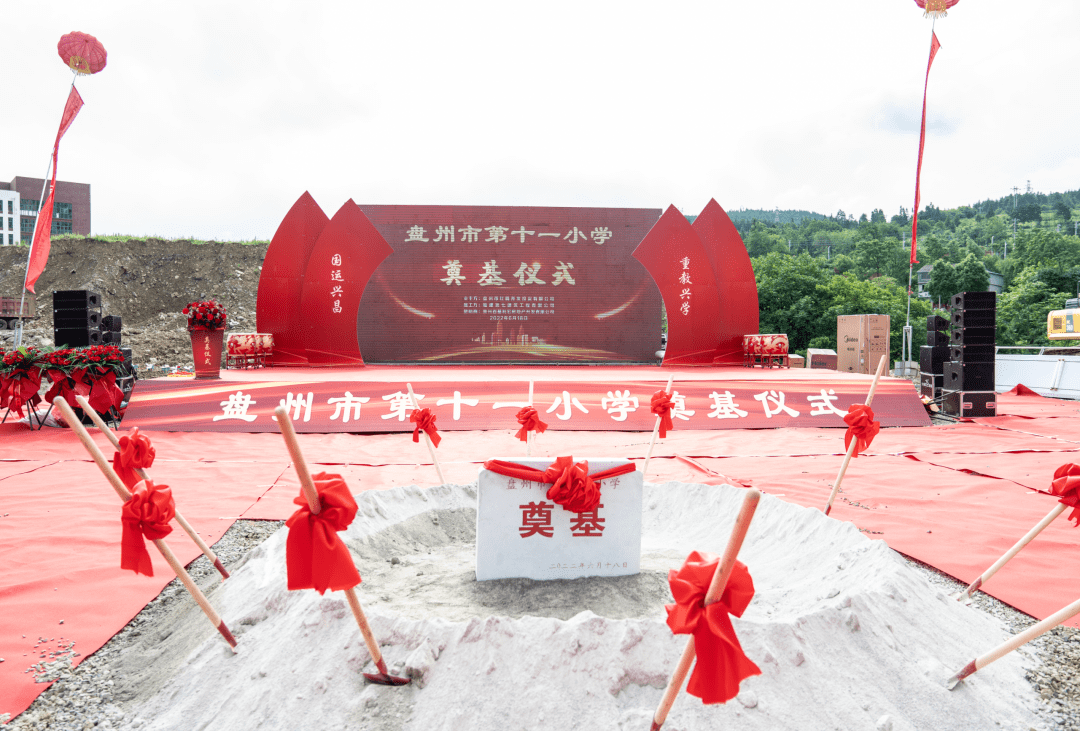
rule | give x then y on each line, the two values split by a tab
374	399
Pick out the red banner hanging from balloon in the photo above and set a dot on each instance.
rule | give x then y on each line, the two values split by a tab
39	248
934	47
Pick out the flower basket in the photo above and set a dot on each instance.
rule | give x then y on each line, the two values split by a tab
206	325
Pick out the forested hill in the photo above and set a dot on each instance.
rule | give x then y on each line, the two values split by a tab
751	214
823	266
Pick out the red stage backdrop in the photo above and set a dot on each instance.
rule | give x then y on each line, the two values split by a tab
277	309
468	284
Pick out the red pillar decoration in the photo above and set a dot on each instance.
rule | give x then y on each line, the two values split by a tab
735	282
277	309
347	253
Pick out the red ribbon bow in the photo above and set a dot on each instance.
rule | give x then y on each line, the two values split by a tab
1066	485
68	386
145	515
135	452
571	484
861	427
721	663
104	393
425	422
19	388
530	421
661	406
315	556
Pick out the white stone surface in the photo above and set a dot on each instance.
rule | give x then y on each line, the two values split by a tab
503	552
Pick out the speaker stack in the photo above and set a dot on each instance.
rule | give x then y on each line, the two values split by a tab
969	372
76	318
933	356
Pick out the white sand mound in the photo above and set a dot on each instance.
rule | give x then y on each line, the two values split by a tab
844	631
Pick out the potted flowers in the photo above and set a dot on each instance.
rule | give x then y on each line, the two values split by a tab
206	325
20	379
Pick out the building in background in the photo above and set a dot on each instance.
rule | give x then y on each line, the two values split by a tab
997	281
71	208
9	217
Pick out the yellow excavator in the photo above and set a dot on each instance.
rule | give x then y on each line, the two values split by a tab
1064	324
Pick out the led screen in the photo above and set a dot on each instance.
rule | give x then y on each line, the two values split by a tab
510	285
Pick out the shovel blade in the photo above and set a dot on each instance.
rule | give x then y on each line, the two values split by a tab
384	679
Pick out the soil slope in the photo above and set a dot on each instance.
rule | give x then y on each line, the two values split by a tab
147	283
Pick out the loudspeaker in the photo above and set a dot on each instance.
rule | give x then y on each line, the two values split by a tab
75	299
110	337
974	336
936	339
111	323
974	318
971	353
974	301
936	322
931	385
969	376
76	337
969	403
932	358
126	352
64	319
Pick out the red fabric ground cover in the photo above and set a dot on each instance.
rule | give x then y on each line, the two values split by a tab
955	497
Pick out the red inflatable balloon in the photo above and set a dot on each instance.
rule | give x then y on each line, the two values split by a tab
83	53
936	8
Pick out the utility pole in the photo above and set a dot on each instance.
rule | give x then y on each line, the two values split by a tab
1015	190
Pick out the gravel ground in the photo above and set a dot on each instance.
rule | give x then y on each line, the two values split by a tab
82	699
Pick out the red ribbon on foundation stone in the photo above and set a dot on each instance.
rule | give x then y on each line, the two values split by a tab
19	388
1066	485
530	421
145	516
135	452
425	422
861	427
721	663
571	484
315	556
661	406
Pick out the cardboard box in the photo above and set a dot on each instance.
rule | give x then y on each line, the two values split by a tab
796	361
861	341
822	358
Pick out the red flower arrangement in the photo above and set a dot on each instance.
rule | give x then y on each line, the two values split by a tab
205	315
20	379
89	372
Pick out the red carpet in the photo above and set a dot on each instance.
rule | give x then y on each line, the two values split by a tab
955	497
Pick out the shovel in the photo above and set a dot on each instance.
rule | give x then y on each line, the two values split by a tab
383	677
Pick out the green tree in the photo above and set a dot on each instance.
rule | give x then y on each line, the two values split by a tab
788	295
846	295
934	249
762	241
842	264
1062	211
877	216
1022	310
943	282
971	275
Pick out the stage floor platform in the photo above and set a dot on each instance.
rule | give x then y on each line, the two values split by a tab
591	398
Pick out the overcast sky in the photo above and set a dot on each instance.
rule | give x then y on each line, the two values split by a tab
211	118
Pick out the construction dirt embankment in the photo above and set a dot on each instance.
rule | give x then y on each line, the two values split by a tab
147	283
